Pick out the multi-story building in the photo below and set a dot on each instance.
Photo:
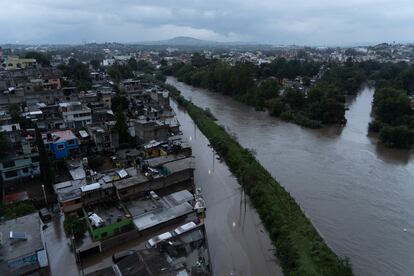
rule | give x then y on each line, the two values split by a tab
61	144
147	130
105	137
22	159
13	63
75	115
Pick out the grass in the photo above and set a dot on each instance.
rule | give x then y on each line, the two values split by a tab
300	248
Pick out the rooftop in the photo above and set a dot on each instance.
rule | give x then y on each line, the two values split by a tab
13	248
159	216
109	212
61	135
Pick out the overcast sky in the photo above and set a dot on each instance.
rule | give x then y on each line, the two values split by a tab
316	22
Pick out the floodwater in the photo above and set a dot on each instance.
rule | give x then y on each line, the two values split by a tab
237	240
358	194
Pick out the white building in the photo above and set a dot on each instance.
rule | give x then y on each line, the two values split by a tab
75	115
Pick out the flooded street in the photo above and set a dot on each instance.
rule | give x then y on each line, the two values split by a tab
238	243
358	194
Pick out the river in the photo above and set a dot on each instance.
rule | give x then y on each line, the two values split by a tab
358	194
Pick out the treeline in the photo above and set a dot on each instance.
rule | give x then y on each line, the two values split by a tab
394	117
262	87
78	73
300	249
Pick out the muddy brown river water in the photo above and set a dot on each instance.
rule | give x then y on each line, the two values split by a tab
358	194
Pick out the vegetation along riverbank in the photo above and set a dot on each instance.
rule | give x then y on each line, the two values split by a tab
300	248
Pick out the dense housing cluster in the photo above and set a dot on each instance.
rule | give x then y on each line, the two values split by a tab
106	161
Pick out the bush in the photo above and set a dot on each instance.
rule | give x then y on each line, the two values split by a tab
299	119
18	209
375	126
74	225
399	137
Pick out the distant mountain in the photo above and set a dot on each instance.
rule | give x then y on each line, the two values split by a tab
191	41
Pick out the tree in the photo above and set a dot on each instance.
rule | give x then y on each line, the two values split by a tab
5	144
18	209
132	63
41	58
276	107
400	136
96	64
121	126
294	97
391	105
306	81
78	72
45	165
74	225
119	102
16	116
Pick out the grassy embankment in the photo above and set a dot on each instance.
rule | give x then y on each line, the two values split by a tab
300	249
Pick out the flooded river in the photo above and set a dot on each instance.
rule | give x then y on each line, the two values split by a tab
358	194
238	243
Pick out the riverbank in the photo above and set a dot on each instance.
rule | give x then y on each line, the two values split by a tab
300	248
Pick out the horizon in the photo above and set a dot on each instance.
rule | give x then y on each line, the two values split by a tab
205	42
320	23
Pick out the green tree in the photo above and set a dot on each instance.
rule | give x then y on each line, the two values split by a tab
18	209
78	73
294	98
45	165
121	126
133	64
74	225
400	136
16	116
119	102
5	144
391	105
276	107
41	58
96	64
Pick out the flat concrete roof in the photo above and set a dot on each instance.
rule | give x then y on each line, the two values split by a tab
13	248
157	217
180	164
177	198
156	161
140	206
131	181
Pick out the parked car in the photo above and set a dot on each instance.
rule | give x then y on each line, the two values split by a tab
45	215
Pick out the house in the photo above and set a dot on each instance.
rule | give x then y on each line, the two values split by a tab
22	249
22	159
147	130
75	114
14	63
61	144
105	136
107	219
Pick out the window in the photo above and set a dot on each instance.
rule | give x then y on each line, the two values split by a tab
25	170
35	159
71	142
8	164
10	174
60	147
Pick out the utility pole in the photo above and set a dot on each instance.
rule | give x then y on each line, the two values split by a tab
44	194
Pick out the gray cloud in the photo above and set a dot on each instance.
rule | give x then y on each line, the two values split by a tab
321	22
